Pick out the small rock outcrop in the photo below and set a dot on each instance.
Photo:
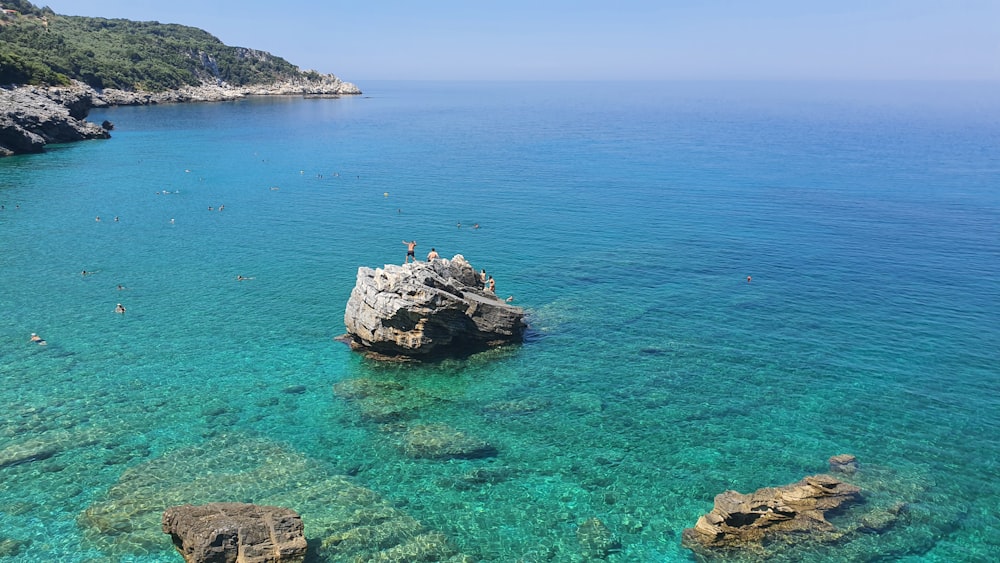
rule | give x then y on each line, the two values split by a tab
423	310
792	512
227	532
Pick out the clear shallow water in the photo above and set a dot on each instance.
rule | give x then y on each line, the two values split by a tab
625	219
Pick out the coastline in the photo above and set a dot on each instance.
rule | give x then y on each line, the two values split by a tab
32	117
328	85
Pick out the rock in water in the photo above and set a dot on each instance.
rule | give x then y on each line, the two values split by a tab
793	512
227	532
428	309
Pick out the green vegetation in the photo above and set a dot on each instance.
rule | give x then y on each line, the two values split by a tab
40	47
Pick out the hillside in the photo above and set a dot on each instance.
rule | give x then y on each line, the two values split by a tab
42	48
54	68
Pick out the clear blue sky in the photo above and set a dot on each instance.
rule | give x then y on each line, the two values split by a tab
597	40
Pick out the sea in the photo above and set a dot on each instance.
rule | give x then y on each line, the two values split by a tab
726	284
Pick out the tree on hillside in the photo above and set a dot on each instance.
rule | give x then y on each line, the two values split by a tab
22	6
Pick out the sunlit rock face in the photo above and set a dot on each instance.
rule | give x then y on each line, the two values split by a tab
424	310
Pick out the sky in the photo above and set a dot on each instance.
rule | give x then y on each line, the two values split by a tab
610	40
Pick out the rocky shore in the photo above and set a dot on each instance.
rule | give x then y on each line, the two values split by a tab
32	117
327	85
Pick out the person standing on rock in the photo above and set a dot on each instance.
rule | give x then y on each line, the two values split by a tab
409	251
432	255
492	287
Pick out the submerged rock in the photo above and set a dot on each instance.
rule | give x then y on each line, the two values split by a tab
596	540
32	450
381	401
516	406
844	463
428	309
793	512
47	445
479	477
11	548
440	441
234	531
882	518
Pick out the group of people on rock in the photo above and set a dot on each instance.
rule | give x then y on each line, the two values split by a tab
489	284
411	246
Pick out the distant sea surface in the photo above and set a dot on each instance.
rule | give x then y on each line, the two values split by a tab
727	283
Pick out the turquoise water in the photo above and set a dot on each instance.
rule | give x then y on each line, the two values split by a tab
625	218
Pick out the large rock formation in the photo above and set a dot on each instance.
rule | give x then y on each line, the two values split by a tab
428	309
791	512
31	118
230	532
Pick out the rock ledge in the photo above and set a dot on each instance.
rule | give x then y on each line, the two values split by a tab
31	118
